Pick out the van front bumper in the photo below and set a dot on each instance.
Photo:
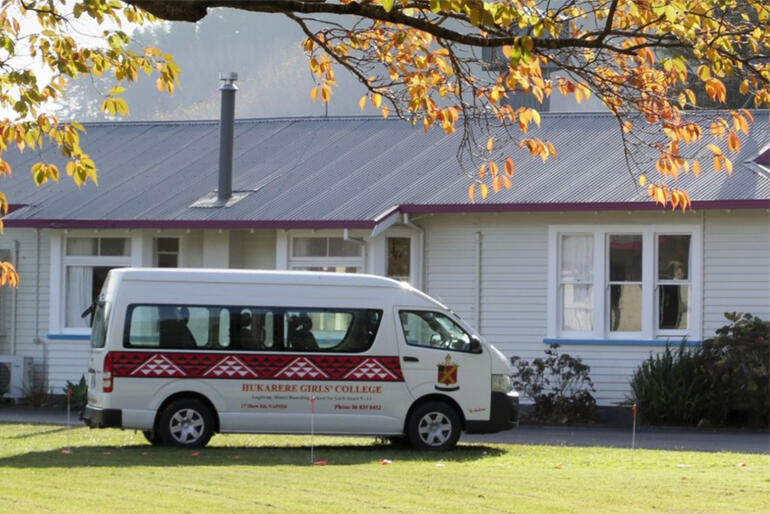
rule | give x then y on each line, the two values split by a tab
96	417
504	415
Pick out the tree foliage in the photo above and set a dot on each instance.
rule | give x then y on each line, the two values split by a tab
41	49
419	60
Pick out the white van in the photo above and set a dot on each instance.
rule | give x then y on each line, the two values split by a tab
181	354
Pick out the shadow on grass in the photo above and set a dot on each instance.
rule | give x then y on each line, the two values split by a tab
145	455
38	433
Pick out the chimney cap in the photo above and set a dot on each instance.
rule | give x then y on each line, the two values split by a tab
228	77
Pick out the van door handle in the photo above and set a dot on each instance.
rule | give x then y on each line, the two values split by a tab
407	358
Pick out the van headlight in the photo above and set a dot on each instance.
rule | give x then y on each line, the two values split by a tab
501	384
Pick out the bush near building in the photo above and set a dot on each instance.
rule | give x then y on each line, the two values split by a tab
724	381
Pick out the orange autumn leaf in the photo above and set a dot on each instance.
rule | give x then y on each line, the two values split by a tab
509	167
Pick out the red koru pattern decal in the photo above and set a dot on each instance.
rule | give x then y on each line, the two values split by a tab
265	367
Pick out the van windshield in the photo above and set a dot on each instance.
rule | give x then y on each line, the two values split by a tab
99	329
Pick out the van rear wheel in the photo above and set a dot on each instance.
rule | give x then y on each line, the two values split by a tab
434	426
186	423
152	437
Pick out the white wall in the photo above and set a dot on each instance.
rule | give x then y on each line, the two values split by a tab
737	266
33	289
252	250
514	278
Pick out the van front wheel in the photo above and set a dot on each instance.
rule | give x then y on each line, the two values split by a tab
186	423
434	426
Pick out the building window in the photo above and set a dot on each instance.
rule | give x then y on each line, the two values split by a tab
614	283
399	255
331	254
86	262
166	250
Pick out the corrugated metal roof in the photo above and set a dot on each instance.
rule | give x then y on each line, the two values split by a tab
341	171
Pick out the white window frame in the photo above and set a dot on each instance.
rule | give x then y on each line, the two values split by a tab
60	261
292	262
601	322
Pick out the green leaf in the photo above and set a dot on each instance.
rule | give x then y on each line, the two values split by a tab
387	5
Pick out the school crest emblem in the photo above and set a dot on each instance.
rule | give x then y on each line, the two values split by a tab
447	375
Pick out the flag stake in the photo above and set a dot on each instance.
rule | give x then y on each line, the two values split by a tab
633	430
69	425
312	428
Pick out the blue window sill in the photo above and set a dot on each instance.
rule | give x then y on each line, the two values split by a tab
621	342
69	337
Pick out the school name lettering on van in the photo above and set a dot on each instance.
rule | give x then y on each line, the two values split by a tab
311	388
257	366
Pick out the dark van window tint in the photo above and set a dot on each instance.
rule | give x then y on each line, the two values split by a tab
433	330
251	328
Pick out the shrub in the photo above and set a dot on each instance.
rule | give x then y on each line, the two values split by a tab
723	381
738	357
560	386
79	395
669	388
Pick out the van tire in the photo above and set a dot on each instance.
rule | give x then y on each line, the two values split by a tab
152	437
434	426
186	423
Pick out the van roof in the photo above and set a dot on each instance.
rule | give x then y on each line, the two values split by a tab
255	277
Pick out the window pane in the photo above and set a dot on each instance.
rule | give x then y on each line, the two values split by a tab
114	246
339	247
625	308
578	307
255	329
398	257
81	245
191	323
167	244
224	328
143	328
166	260
673	307
433	330
674	257
626	258
577	258
82	287
309	247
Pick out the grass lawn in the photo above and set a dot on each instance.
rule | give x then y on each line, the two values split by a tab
116	471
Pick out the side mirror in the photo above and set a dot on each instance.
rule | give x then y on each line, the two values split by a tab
476	346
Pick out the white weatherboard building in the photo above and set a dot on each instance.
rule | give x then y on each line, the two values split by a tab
575	253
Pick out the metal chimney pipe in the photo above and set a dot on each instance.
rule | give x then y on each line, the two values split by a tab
226	129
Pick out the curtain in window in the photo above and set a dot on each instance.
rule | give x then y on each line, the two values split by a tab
79	291
577	264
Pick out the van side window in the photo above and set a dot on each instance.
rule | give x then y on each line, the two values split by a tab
276	329
433	330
